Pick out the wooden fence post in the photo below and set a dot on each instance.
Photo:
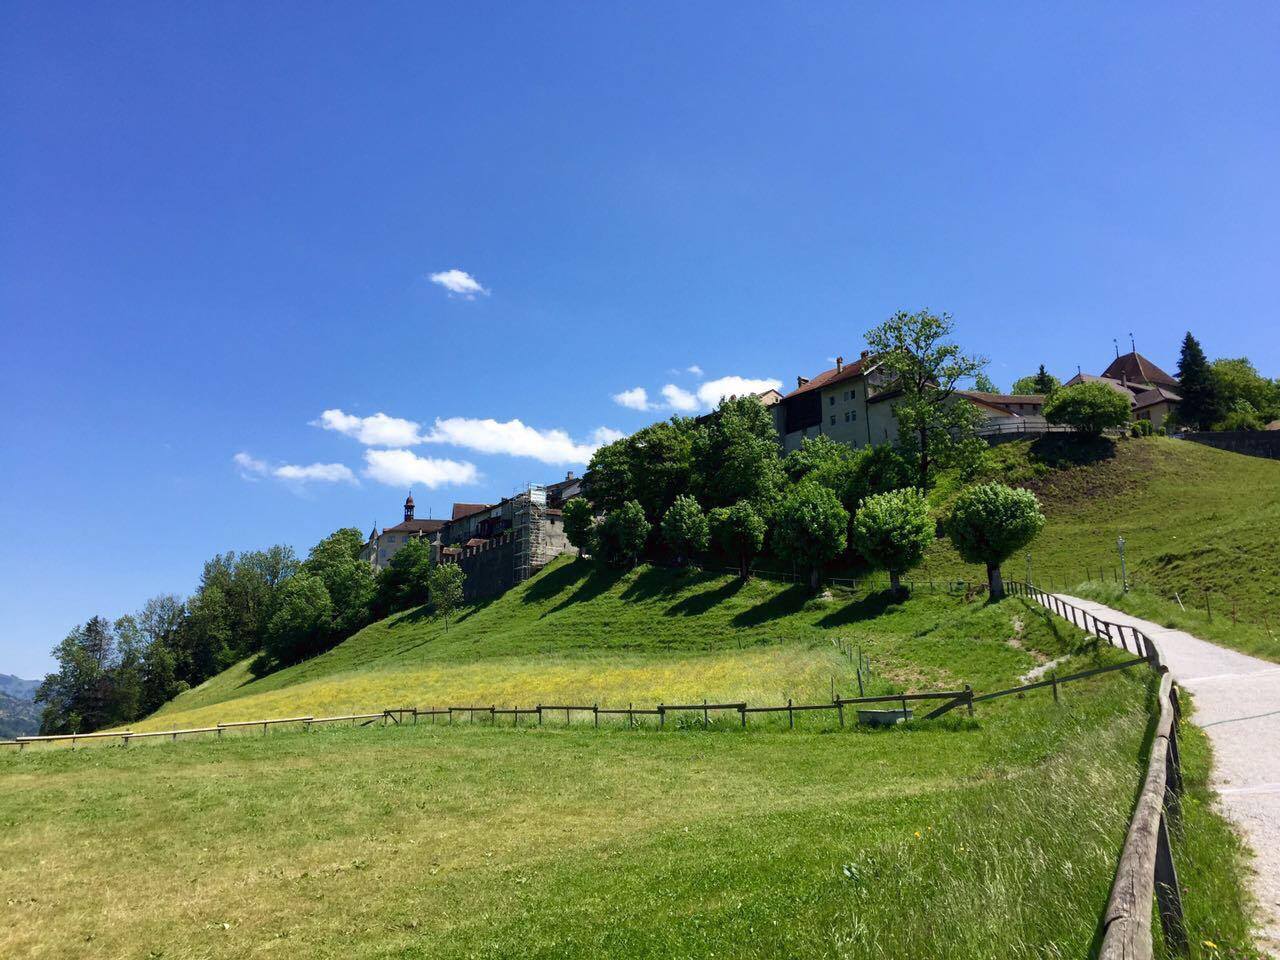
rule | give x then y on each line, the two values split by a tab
791	715
1168	894
969	697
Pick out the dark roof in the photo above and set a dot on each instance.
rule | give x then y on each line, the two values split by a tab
416	526
833	376
1090	378
1138	369
980	398
1155	395
461	510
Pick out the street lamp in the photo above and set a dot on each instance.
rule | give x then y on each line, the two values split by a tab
1124	576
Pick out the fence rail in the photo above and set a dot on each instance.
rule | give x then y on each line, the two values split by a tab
1146	870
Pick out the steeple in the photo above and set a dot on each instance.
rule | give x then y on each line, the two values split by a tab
408	507
373	534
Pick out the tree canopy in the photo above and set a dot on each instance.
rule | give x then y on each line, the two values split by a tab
1089	407
1202	403
892	531
990	522
739	531
811	528
1041	382
684	528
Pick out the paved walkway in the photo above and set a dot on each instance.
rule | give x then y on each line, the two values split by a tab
1238	706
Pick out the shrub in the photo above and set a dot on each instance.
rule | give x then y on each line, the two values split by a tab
622	534
893	530
811	528
684	528
1089	407
1141	428
739	531
988	523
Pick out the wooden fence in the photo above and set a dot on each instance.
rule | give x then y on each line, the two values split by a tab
1146	871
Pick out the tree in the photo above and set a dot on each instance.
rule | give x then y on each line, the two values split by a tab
892	531
661	463
811	527
813	454
862	473
684	528
1041	382
405	581
736	456
984	384
447	583
989	523
78	695
300	626
1202	405
1241	417
1089	407
739	531
1239	382
608	483
580	525
621	535
915	353
348	580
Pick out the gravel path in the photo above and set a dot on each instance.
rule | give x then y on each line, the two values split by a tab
1238	706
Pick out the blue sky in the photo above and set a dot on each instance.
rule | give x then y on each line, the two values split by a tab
220	221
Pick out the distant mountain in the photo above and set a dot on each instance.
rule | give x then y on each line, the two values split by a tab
18	688
18	718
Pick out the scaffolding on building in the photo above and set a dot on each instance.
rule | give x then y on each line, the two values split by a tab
529	511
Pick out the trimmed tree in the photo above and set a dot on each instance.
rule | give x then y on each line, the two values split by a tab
739	531
447	581
892	531
991	522
622	534
1089	407
811	528
684	528
580	525
1202	405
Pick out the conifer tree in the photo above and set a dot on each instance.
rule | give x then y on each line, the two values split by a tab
1201	405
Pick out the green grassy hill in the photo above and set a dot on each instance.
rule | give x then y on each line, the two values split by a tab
991	837
1197	522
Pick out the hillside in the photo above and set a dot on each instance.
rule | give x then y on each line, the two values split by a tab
991	837
1197	522
18	716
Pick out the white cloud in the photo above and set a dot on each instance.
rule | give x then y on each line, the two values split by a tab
711	392
636	398
694	369
512	438
604	435
679	399
378	430
459	283
403	468
251	468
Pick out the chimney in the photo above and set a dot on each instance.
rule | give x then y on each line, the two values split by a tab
569	475
839	364
801	381
865	354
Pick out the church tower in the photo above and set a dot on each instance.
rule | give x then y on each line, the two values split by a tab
408	508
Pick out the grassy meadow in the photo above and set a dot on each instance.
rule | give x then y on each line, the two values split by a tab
1195	521
990	837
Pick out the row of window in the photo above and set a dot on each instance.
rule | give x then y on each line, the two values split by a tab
848	395
849	417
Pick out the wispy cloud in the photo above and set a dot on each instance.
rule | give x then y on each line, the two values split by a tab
378	430
513	438
679	399
403	468
253	469
694	369
459	283
637	398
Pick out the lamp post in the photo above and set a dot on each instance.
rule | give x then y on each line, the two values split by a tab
1124	576
1029	581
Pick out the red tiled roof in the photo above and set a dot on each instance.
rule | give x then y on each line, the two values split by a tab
461	510
833	376
1138	369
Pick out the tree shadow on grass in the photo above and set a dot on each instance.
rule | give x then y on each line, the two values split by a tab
700	603
1067	450
868	608
599	580
658	582
783	604
550	585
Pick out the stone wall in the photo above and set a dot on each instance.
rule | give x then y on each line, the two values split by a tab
490	571
1253	443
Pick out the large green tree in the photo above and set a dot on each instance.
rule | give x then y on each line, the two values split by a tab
622	533
405	581
684	529
892	531
810	528
1089	407
739	531
580	525
917	356
1239	381
736	456
989	523
300	626
1202	404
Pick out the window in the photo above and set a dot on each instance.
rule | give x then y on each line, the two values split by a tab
833	419
831	400
846	416
853	414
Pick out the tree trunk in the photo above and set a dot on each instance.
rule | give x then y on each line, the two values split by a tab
895	582
815	578
744	567
994	582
